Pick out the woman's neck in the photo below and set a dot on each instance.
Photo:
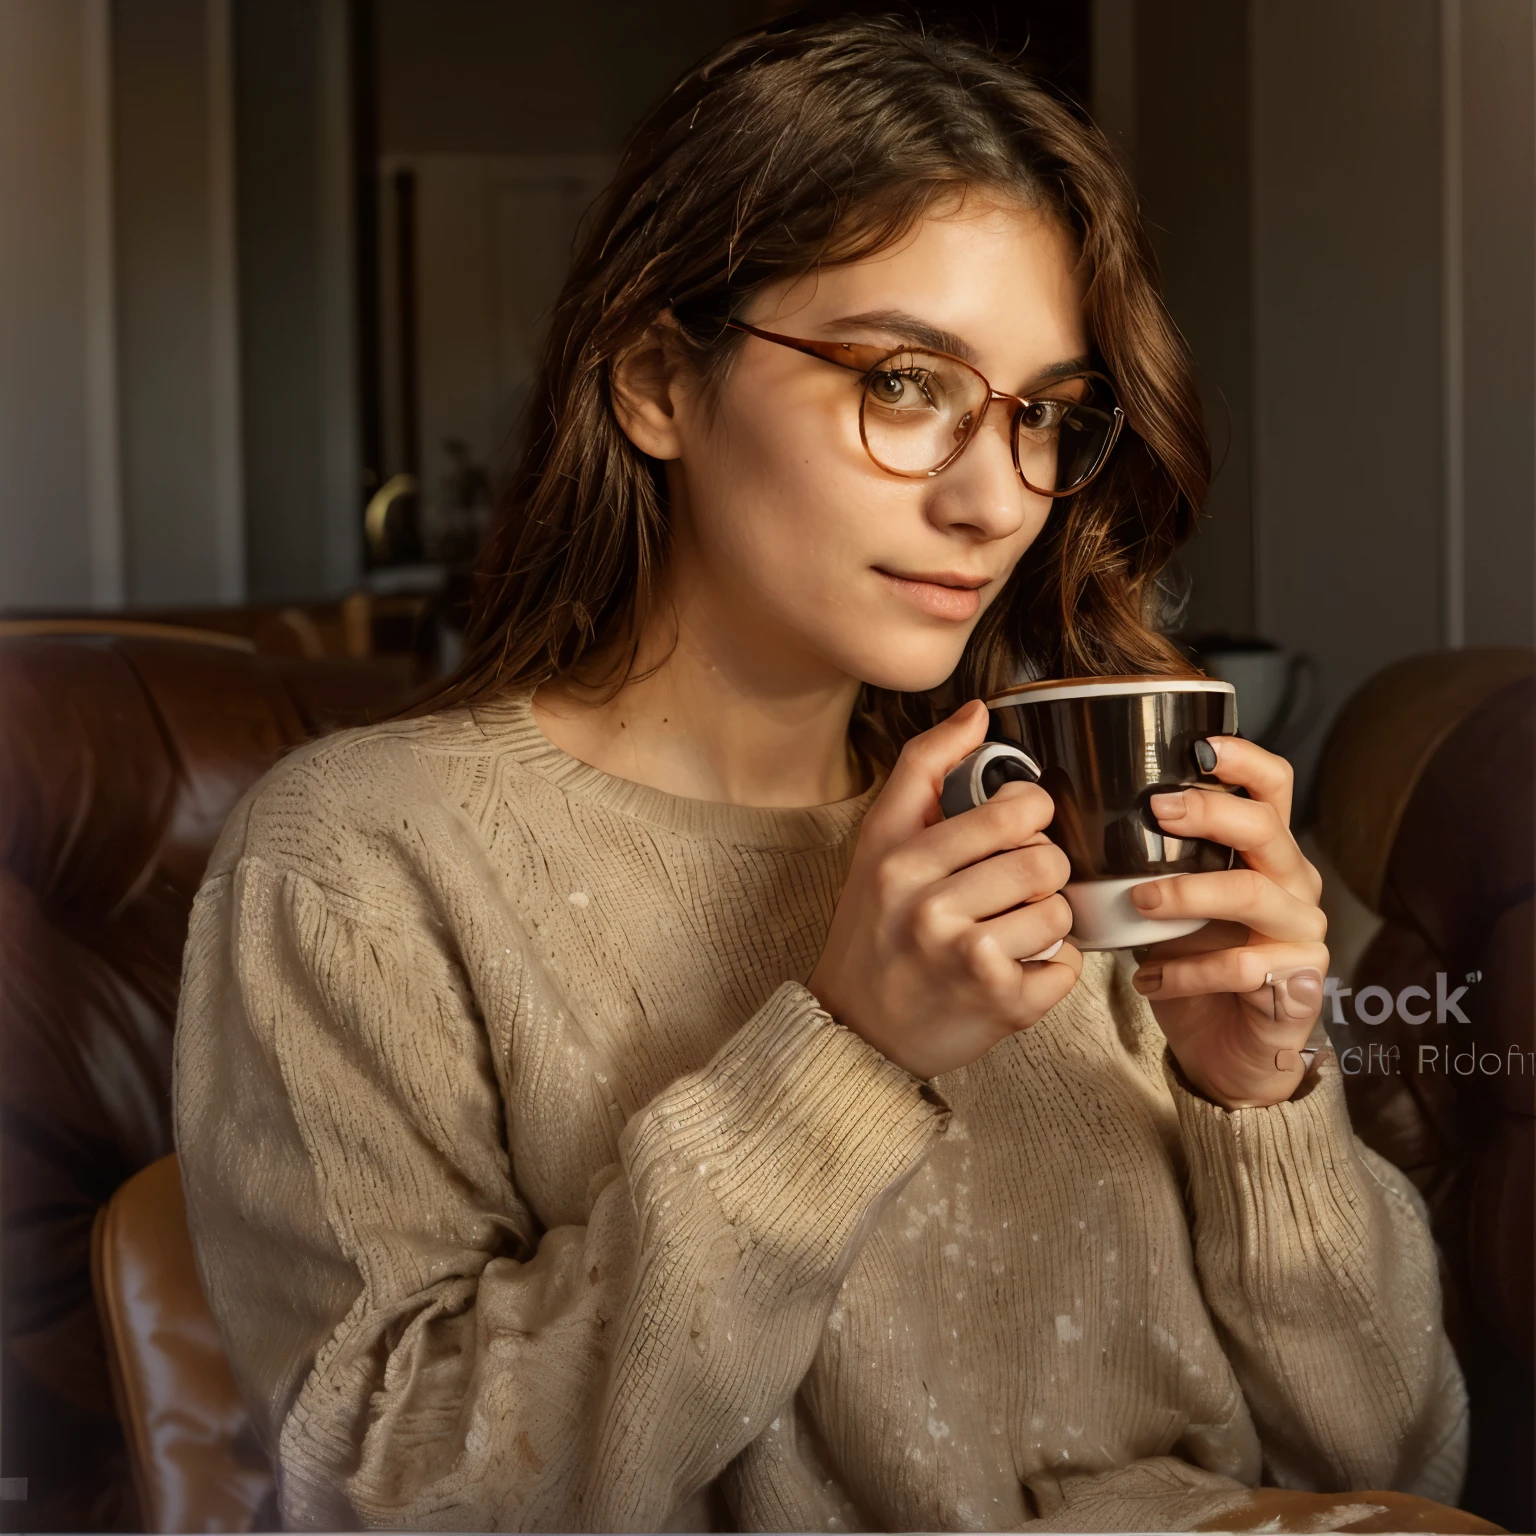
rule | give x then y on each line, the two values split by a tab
713	716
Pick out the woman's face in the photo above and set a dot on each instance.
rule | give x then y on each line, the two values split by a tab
788	539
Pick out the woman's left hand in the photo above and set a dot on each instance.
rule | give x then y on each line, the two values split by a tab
1238	998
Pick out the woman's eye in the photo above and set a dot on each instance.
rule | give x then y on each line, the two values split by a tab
898	390
1043	415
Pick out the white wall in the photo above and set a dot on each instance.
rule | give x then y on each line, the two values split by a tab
59	533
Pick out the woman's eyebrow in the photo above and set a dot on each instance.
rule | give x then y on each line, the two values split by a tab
1067	369
905	327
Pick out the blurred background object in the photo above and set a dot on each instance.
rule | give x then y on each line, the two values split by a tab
273	278
1277	690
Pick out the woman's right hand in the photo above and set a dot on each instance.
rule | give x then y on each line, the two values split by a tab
923	956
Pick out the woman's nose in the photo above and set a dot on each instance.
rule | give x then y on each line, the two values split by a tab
982	490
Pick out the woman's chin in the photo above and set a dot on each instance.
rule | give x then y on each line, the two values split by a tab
908	669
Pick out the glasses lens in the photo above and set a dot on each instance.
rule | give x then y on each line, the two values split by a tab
919	407
1062	439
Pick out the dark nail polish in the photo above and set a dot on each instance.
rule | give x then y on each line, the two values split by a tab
1205	756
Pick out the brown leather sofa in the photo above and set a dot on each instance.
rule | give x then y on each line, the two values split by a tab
192	1452
119	759
1425	800
404	629
120	756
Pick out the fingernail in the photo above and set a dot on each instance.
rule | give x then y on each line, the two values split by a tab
1148	979
1045	954
1205	756
1147	896
1287	1060
1303	992
1168	807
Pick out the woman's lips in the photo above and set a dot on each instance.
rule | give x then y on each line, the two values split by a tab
956	598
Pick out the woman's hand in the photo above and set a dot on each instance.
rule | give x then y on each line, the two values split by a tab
1237	999
923	958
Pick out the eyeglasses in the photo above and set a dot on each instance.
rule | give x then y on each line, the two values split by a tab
920	410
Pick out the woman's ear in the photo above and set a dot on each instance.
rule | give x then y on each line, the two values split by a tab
648	382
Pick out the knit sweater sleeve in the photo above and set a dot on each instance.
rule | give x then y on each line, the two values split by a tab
417	1350
1316	1261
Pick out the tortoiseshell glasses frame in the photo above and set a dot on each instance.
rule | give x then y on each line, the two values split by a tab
951	399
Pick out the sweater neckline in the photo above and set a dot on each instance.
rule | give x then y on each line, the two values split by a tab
510	721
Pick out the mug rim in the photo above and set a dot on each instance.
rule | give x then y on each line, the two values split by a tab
1050	689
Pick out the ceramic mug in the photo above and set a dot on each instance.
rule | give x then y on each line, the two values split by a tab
1101	747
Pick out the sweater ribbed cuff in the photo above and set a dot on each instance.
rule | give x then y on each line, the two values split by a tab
797	1127
1276	1182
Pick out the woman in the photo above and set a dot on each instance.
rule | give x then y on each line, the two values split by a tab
612	1097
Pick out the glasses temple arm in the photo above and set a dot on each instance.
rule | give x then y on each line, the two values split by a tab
844	354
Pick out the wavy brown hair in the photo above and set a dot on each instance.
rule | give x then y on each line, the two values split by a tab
807	145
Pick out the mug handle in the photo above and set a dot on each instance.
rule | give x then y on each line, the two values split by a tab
980	774
977	777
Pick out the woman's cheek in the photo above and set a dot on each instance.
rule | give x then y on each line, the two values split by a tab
803	567
805	526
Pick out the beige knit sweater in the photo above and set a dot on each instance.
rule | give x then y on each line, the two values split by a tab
532	1190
